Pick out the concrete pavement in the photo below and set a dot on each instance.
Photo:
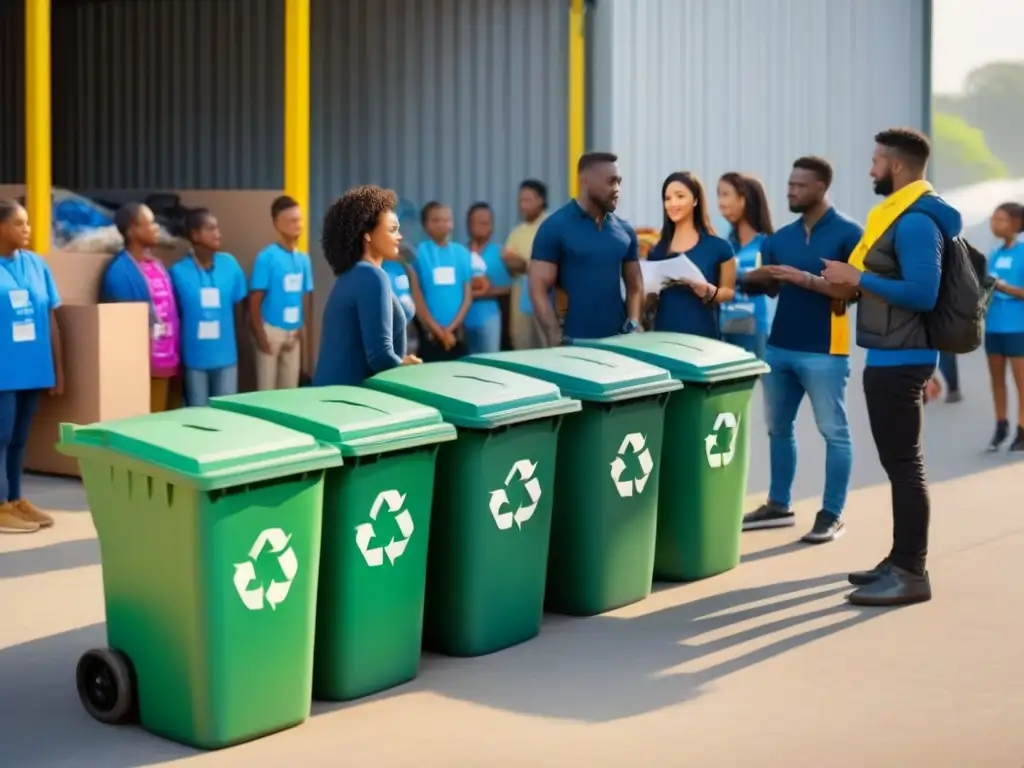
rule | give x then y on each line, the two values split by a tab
765	665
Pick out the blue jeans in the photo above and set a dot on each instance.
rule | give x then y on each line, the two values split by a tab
485	338
824	379
200	386
950	371
752	342
16	412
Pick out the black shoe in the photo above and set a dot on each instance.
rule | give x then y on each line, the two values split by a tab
1018	441
863	578
954	396
769	516
895	586
827	527
1002	432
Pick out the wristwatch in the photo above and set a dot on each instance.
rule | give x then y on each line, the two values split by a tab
630	326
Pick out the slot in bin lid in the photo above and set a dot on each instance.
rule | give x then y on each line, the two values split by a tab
587	373
691	359
358	420
475	396
206	448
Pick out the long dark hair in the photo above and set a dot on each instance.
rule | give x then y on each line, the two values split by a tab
701	219
756	210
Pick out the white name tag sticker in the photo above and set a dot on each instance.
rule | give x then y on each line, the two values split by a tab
209	298
444	275
160	331
291	315
293	283
402	282
743	307
24	331
1003	262
19	298
209	330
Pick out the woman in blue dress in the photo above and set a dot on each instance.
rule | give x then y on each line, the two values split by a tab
363	328
691	304
746	320
1004	324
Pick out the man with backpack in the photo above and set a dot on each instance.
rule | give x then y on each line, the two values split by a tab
907	310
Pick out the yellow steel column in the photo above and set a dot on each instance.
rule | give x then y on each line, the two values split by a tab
296	106
577	90
38	147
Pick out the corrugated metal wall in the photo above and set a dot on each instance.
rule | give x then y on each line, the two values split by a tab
454	100
719	85
12	92
183	94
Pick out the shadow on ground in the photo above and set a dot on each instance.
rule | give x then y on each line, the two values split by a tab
591	670
61	556
605	668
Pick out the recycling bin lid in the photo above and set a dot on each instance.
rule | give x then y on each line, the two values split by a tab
475	396
590	374
206	448
692	359
359	421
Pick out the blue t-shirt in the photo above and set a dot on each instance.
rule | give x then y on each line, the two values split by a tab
679	309
285	277
400	288
443	272
803	319
742	307
487	264
28	295
206	302
1006	313
363	329
589	259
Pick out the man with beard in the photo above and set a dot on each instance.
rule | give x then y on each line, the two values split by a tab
588	251
897	269
808	349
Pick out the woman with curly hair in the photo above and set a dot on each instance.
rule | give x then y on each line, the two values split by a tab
363	328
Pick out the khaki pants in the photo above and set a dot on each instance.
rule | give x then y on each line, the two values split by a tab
281	368
524	330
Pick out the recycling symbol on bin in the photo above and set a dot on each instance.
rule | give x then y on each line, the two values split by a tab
718	458
636	444
365	533
273	542
525	469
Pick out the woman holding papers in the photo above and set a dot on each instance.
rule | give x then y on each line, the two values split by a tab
698	268
742	202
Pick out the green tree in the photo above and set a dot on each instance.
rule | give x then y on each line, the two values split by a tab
993	100
960	154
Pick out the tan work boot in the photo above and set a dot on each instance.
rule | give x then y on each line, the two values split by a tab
12	521
33	514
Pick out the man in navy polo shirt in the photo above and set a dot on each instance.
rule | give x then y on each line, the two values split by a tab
808	349
588	251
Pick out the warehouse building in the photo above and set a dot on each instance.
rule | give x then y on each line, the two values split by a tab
456	100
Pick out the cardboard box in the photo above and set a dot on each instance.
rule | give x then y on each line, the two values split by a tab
106	376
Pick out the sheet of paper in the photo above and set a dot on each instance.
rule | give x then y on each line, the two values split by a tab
655	273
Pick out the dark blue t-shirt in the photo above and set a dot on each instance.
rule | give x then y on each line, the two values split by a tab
803	319
679	308
363	329
589	259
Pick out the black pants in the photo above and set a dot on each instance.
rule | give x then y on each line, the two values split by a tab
431	351
895	399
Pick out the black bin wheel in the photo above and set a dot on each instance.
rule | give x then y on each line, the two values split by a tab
106	685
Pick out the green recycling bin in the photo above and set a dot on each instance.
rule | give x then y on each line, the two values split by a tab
209	531
376	523
491	519
606	476
706	451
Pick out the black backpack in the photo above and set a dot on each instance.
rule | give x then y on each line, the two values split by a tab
957	323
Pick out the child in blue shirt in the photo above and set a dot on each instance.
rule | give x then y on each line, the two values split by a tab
444	273
210	289
491	281
1004	324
